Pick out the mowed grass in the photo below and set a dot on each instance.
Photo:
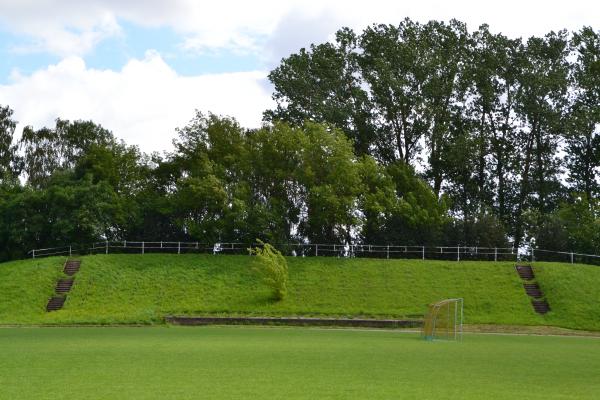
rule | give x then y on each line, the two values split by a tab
290	363
573	292
142	289
25	287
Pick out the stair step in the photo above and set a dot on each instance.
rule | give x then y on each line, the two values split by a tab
533	290
525	271
536	295
64	285
55	303
71	267
540	306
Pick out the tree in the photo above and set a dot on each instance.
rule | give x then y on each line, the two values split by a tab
272	266
47	150
583	140
574	226
208	168
9	160
66	211
323	84
494	65
330	183
275	154
541	106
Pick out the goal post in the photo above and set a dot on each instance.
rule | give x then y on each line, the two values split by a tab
444	320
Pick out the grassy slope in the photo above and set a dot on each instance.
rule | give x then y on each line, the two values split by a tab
280	363
573	292
25	287
142	289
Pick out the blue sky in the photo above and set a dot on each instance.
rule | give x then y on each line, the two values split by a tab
133	42
141	67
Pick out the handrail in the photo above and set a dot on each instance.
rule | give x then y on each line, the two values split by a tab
320	249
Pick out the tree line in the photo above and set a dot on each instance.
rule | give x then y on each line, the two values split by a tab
501	127
415	134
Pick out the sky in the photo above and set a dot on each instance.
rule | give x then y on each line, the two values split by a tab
141	68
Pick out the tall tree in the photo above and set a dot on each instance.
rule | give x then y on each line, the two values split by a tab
583	141
323	84
541	105
9	160
493	68
47	150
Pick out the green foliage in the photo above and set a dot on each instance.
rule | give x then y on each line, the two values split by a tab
583	154
9	159
422	134
48	150
484	230
491	112
398	206
575	226
272	267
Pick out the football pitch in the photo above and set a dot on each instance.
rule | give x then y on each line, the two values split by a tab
290	363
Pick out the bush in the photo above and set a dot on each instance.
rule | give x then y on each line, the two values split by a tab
272	266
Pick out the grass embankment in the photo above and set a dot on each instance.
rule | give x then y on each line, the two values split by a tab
573	292
290	363
144	288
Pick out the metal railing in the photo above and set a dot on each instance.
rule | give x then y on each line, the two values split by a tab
456	253
564	257
293	249
52	251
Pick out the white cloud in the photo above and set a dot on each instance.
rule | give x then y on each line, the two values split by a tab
72	27
143	103
146	99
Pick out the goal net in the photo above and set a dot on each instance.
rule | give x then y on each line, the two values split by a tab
444	320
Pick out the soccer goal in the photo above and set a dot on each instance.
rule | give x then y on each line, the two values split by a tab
444	320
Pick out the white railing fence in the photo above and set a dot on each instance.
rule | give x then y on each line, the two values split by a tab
52	251
313	249
564	257
456	253
291	249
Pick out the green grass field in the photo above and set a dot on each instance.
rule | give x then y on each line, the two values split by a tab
290	363
142	289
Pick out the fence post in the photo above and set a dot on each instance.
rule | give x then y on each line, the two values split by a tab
495	254
142	247
571	257
106	247
458	253
316	250
388	251
71	252
33	253
178	247
423	249
161	244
